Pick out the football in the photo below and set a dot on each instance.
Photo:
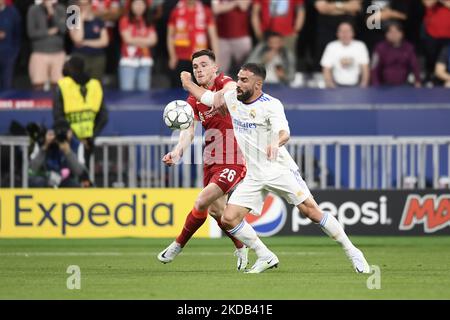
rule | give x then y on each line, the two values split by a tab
178	114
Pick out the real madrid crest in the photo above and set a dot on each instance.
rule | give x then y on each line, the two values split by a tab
233	107
253	113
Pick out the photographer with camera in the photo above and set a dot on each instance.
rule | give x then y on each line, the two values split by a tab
57	160
79	100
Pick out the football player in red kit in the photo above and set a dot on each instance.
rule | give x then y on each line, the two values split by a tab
223	164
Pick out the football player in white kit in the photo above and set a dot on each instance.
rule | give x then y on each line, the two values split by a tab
261	130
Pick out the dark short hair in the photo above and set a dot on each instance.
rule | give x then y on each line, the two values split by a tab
395	24
270	34
258	69
204	52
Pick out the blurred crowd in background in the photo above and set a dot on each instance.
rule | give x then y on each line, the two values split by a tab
144	44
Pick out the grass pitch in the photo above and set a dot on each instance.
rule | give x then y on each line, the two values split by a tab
310	268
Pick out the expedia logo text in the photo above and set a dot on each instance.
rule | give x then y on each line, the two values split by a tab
29	213
430	210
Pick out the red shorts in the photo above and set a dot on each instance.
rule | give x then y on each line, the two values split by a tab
225	176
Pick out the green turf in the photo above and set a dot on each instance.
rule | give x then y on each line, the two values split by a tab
310	268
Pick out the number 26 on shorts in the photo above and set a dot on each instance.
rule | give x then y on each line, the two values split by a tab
228	174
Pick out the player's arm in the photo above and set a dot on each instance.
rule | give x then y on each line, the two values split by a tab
277	142
185	140
280	132
207	97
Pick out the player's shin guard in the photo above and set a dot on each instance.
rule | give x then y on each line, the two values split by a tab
193	222
244	232
238	244
334	230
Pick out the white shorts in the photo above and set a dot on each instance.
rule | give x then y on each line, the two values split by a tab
251	192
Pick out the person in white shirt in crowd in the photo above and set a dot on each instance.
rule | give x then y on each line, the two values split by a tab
345	62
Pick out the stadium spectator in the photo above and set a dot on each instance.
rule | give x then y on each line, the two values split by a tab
79	99
58	161
442	69
107	10
277	59
436	31
90	39
235	42
110	12
190	25
46	26
283	17
394	59
10	34
330	15
387	11
138	36
345	61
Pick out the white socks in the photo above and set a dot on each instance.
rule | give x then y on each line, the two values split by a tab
334	230
244	232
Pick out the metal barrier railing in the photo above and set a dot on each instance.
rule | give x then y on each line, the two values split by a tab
364	162
14	161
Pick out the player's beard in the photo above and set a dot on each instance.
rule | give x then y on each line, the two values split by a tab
243	95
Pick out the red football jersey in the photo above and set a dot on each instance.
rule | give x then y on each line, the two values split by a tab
191	28
220	144
279	16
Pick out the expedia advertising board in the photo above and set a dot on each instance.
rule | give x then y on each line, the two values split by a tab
95	213
362	213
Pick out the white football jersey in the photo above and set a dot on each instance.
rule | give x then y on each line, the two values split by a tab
255	125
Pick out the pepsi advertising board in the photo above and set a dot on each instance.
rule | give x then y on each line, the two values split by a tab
362	212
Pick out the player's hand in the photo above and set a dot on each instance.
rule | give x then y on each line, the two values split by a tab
272	152
171	158
186	79
219	103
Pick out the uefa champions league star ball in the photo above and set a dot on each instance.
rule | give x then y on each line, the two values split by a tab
178	114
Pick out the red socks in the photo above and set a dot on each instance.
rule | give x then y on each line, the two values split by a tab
193	222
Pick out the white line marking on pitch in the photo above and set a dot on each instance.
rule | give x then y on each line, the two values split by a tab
107	254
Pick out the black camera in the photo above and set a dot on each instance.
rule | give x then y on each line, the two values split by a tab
61	128
36	132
